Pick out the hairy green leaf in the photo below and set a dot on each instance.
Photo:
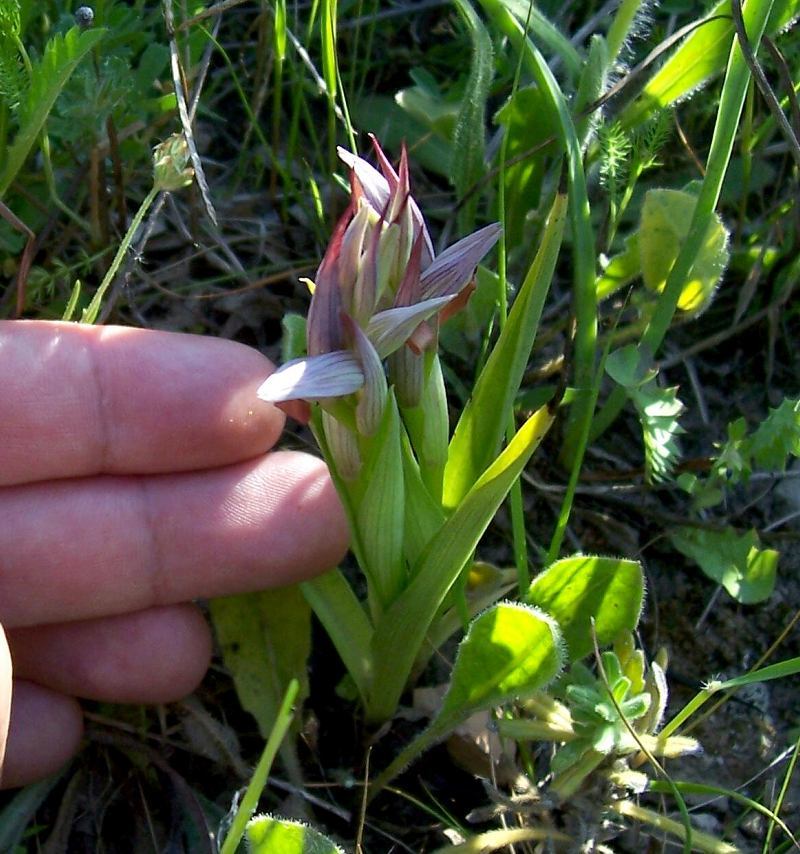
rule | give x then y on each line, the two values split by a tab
267	834
580	589
469	141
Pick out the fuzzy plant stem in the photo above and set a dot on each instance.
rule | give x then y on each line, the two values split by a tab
259	779
93	309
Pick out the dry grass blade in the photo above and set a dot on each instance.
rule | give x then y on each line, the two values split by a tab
183	111
27	253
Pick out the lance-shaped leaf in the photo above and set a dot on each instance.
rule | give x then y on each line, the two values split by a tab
379	499
314	378
578	590
389	330
452	270
483	421
510	651
402	630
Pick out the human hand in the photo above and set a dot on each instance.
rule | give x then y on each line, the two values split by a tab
133	479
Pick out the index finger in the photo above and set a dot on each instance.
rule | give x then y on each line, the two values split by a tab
84	400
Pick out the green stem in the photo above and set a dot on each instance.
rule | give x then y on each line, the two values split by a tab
93	309
259	779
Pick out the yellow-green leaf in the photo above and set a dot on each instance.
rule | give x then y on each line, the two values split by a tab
666	218
580	589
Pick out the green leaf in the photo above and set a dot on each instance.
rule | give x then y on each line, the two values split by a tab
293	336
269	835
20	810
61	57
378	499
591	85
423	515
510	651
629	368
547	34
736	562
579	589
621	270
523	179
401	631
777	437
659	410
483	421
666	218
702	55
266	640
339	610
469	143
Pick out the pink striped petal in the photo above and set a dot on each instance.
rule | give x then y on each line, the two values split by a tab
455	267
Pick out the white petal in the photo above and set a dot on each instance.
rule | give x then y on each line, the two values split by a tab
313	377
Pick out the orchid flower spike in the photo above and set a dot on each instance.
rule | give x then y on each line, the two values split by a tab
379	288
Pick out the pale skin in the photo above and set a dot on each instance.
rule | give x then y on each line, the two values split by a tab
136	475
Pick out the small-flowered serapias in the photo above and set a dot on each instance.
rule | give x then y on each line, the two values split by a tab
379	294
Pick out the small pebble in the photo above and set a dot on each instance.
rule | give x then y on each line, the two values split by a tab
84	16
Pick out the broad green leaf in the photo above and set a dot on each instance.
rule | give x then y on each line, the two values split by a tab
579	589
265	639
469	143
438	114
702	55
666	218
736	562
270	835
523	179
401	631
483	421
62	53
509	651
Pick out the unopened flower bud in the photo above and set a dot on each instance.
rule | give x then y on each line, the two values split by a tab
172	167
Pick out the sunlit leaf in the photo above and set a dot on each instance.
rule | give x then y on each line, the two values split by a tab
580	589
269	835
665	223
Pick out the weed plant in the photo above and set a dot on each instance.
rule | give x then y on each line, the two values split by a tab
622	386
